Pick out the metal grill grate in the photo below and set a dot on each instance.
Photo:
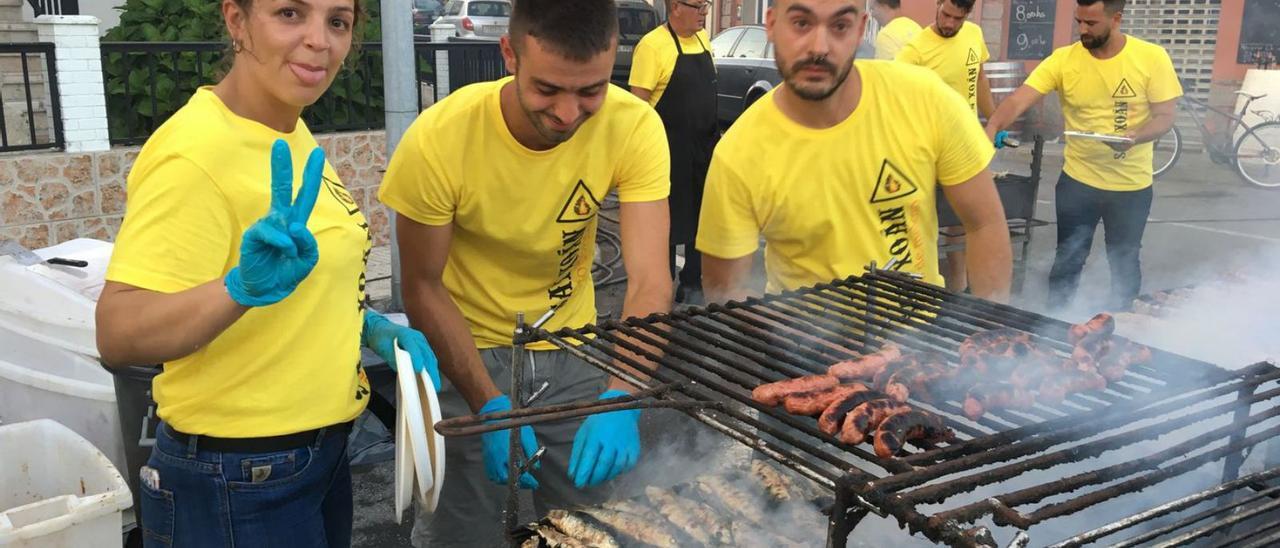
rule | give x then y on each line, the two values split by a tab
1069	457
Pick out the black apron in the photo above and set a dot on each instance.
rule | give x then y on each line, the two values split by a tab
688	111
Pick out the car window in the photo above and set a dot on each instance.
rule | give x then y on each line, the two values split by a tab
636	21
454	8
489	9
424	5
752	45
723	42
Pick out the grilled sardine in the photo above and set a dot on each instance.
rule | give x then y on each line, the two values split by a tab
579	529
653	533
720	491
699	521
779	487
554	538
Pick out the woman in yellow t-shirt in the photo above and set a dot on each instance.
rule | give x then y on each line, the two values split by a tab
252	298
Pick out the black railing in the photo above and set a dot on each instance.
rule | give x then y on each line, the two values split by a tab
469	62
146	82
55	7
36	121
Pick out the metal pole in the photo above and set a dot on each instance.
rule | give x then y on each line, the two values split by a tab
399	81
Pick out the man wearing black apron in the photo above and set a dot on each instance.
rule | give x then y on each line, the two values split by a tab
673	70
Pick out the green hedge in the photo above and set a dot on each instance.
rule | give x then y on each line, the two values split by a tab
354	100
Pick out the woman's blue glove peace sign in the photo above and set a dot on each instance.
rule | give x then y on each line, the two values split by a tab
278	251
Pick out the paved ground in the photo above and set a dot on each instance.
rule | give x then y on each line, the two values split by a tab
1205	220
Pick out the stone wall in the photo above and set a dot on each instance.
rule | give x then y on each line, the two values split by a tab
48	198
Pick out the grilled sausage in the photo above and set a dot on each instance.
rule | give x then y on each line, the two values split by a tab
997	352
928	382
1101	325
1113	366
987	396
932	360
866	367
814	403
864	419
914	425
1055	388
772	393
835	413
1028	374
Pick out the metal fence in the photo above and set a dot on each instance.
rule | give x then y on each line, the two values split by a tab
146	82
31	117
55	7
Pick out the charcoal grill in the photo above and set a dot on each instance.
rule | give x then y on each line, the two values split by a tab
711	359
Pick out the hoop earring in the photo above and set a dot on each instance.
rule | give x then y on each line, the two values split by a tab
236	46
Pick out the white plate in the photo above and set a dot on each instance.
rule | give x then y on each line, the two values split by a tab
410	410
1106	138
435	442
404	467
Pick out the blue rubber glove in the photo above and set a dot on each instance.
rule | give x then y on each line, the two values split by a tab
1000	137
606	445
496	447
278	251
381	334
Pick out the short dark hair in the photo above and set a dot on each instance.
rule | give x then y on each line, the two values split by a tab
1111	6
892	4
576	29
966	5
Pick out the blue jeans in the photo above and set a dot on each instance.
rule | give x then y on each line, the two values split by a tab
1124	219
301	497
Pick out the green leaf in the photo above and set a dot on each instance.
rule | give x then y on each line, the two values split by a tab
150	32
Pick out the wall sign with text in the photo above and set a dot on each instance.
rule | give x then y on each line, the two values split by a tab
1030	29
1259	32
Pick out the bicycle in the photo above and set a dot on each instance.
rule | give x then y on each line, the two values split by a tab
1255	155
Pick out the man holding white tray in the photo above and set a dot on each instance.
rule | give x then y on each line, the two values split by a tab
1118	95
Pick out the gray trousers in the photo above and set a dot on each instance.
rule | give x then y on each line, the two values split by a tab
470	510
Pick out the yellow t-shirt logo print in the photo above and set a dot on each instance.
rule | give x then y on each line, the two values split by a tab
580	207
891	184
1124	91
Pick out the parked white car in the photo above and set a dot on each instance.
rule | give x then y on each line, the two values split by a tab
480	19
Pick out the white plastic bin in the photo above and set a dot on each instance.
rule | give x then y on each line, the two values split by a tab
48	352
57	490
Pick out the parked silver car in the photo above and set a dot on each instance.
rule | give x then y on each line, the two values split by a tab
482	19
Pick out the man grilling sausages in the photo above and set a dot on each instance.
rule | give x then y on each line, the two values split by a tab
497	189
838	167
1115	84
672	70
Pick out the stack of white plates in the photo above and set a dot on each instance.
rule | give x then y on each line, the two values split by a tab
419	449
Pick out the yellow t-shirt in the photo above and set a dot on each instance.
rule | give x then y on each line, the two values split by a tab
654	59
830	201
199	182
524	221
894	35
1108	96
958	60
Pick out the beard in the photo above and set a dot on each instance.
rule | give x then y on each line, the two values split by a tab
814	92
1095	42
538	119
947	33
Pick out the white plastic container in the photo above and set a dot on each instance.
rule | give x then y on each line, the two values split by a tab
57	490
48	351
40	381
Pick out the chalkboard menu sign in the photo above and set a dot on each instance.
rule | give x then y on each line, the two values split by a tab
1259	33
1031	29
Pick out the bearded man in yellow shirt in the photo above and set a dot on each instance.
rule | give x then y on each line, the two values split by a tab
896	29
839	167
955	49
1111	84
497	191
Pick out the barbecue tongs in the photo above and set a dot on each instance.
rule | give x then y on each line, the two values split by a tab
525	416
